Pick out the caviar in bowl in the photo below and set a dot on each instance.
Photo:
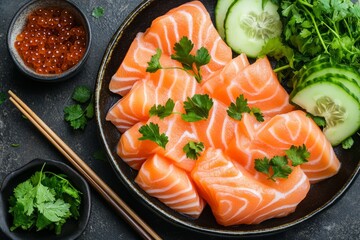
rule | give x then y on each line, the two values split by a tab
72	228
49	40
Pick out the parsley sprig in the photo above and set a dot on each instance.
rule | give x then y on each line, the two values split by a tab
75	114
151	132
190	63
278	166
197	108
45	201
236	110
162	111
193	149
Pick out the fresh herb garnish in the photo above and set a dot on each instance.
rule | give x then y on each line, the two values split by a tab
347	143
235	110
316	27
193	149
278	166
197	108
98	12
151	132
75	114
320	121
46	201
15	145
163	111
190	63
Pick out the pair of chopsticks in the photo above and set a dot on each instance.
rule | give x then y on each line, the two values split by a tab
103	189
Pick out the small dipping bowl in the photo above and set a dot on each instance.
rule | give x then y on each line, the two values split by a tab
72	229
18	23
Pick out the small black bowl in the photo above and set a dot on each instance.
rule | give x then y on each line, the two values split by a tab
71	229
17	25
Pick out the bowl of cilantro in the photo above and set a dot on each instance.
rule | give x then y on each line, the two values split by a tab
44	199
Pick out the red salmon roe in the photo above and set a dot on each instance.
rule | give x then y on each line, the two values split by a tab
52	41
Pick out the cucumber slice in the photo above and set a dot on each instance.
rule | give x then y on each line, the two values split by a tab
331	99
221	9
249	24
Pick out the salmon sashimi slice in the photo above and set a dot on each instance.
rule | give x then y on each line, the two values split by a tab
259	85
162	85
193	21
295	128
225	75
218	129
178	132
171	185
236	197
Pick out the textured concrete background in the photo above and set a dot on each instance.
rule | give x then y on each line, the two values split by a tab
341	221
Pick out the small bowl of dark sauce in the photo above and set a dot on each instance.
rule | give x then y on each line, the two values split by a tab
49	40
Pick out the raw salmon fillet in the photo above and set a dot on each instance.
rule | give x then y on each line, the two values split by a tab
259	85
171	185
162	85
236	197
191	20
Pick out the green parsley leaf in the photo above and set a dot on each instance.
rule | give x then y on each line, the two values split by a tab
98	12
81	94
197	108
151	132
154	63
193	149
258	114
74	114
262	165
298	155
281	172
163	111
347	143
236	109
320	121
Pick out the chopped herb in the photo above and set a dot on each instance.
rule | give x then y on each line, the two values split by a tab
190	63
278	166
75	114
163	111
197	108
193	149
46	201
15	145
98	12
151	132
347	143
235	110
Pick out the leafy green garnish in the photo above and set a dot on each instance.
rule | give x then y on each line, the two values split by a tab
163	111
316	27
278	166
45	201
320	121
15	145
197	108
98	12
193	149
347	143
190	63
151	132
75	114
235	110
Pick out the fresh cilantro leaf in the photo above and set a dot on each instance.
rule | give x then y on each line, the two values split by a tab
163	111
54	211
81	94
236	110
98	12
347	143
320	121
154	63
74	114
197	108
258	114
262	165
151	132
193	149
89	110
281	172
298	155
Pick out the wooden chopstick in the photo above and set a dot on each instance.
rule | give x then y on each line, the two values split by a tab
103	189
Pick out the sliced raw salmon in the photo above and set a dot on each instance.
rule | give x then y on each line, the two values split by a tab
236	197
171	185
162	85
259	85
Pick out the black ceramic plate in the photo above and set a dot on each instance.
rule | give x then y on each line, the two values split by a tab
321	195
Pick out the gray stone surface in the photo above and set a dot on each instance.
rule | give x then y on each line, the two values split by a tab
341	221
